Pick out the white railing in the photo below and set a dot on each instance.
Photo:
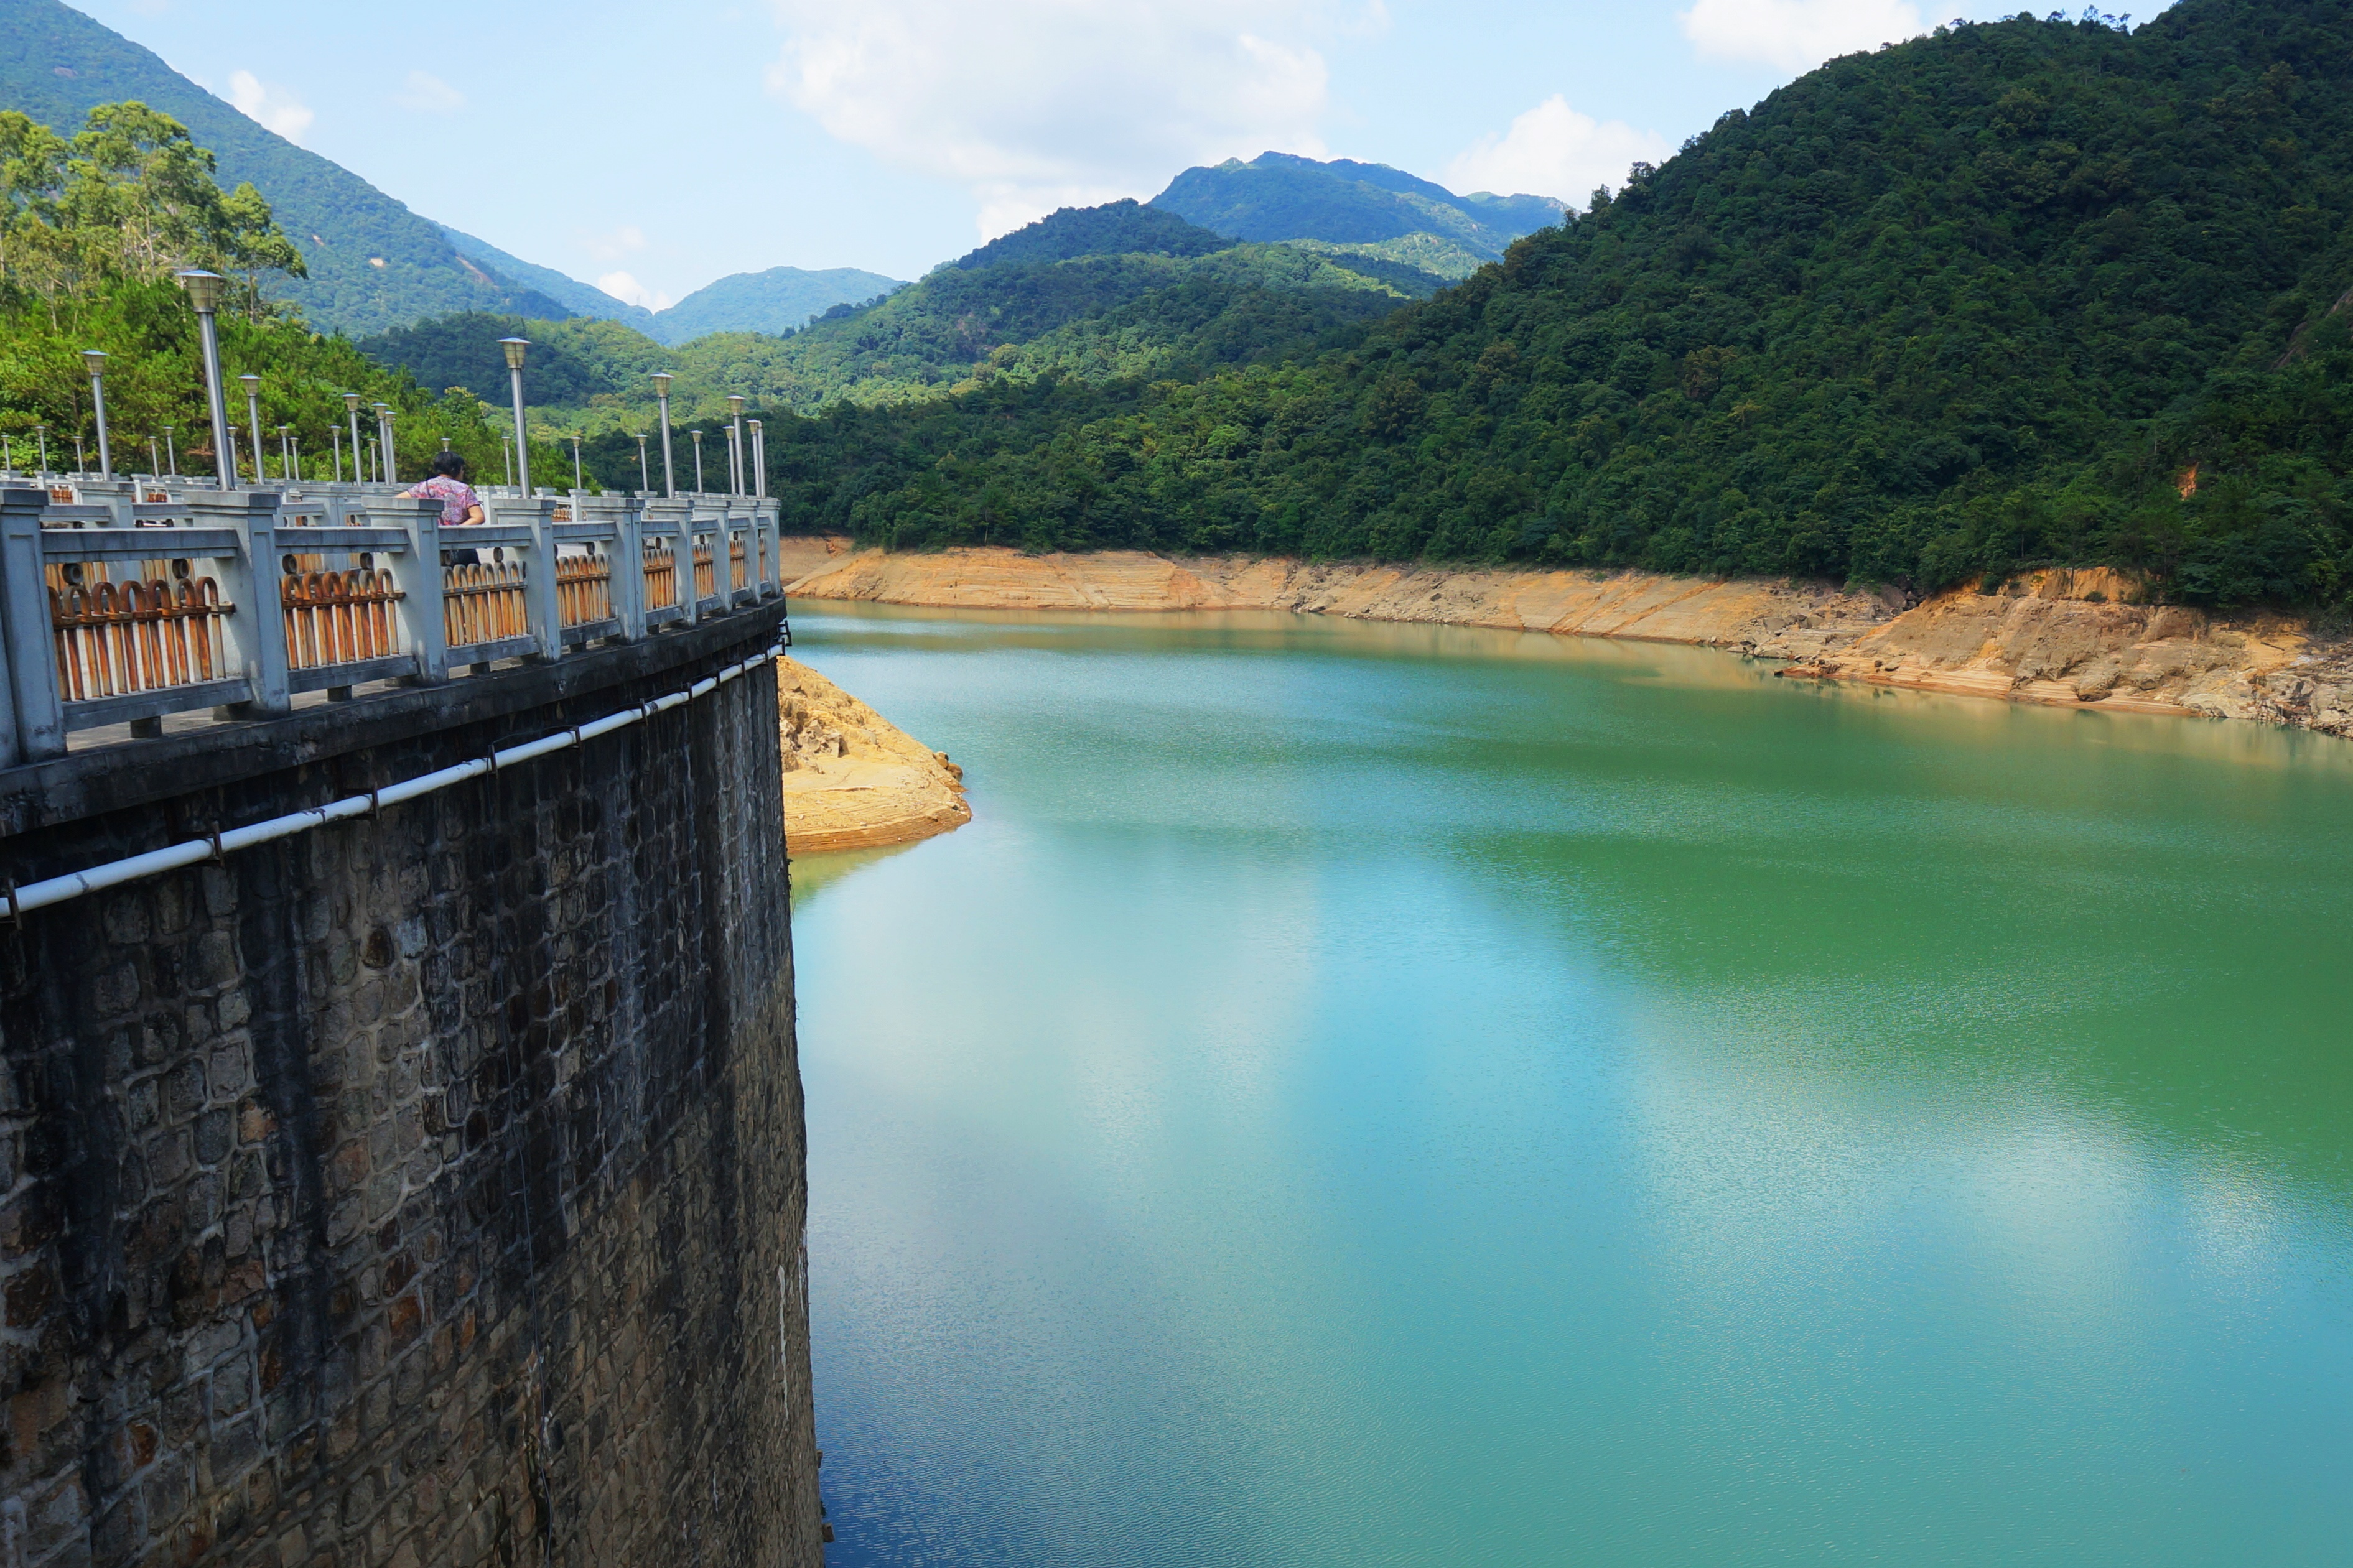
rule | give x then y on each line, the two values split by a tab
133	600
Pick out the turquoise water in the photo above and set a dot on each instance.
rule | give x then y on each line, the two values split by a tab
1366	1095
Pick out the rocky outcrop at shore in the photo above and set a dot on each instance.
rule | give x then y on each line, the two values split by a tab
852	779
2060	637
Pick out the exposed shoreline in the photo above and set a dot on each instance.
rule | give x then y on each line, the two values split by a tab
2062	638
853	780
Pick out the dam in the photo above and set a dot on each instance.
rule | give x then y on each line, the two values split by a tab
403	1134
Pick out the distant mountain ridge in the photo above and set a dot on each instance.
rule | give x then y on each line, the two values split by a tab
1388	213
1123	228
780	300
577	299
373	262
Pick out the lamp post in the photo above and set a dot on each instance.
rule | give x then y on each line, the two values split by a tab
506	456
388	463
516	348
577	485
154	465
661	396
205	291
296	443
698	462
81	463
335	438
736	453
252	385
351	408
759	460
42	432
645	480
285	453
94	362
171	452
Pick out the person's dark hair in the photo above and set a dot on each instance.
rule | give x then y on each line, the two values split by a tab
448	465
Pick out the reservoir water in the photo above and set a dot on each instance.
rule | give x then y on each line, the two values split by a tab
1361	1094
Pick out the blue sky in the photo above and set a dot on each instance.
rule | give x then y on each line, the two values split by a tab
654	148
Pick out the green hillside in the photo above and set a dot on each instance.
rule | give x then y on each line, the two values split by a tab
575	297
1970	303
780	300
1090	316
1116	228
92	230
1369	208
371	262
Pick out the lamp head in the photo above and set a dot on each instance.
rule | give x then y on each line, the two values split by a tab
734	404
250	381
515	348
383	410
351	401
205	289
94	360
756	424
661	382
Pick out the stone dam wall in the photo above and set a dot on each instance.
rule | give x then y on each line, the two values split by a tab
419	1190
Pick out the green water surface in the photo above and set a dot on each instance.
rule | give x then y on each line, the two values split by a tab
1363	1095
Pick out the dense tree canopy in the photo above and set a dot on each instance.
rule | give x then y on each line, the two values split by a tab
1972	302
92	230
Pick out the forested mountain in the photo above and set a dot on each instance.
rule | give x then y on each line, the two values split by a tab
1116	228
577	298
1046	301
1366	209
2020	293
91	230
781	300
371	261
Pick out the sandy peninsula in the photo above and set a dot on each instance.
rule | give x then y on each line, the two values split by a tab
853	780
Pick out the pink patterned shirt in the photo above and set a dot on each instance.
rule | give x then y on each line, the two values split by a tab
456	496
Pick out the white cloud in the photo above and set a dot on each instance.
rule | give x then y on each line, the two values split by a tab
271	106
1035	104
613	244
630	292
429	94
1553	151
1797	35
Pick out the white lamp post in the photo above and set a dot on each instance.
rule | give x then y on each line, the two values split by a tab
661	396
352	410
94	362
516	348
204	291
736	485
252	385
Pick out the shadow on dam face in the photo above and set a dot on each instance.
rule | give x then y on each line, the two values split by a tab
427	1188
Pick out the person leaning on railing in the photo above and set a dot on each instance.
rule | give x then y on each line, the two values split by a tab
461	507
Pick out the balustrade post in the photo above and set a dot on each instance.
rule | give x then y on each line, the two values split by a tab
36	718
678	515
630	570
772	539
542	607
255	636
417	574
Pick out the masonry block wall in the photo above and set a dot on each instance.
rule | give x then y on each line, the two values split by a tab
424	1190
